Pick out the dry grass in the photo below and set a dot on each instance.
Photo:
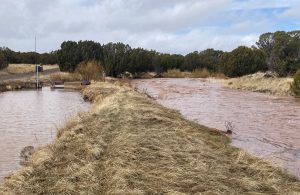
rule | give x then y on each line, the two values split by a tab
129	144
90	70
175	73
204	73
17	85
25	68
259	83
63	76
197	73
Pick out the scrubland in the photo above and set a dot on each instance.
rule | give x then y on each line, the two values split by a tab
129	144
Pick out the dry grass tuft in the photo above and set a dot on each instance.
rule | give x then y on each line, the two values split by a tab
129	144
90	70
259	83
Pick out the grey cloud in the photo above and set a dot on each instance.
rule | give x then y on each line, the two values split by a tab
176	26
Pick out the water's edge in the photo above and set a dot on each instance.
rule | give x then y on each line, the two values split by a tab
264	125
31	118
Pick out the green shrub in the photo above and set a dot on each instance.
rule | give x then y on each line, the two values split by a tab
296	84
3	62
242	61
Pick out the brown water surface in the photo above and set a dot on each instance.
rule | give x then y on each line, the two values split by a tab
266	126
30	118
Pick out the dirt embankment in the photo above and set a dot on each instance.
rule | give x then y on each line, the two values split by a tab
259	82
129	144
17	85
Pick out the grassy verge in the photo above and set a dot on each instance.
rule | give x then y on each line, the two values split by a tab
129	144
24	68
259	83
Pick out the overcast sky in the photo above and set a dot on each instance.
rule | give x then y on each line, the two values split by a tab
174	26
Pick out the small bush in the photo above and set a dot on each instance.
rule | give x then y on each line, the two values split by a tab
90	70
3	61
296	84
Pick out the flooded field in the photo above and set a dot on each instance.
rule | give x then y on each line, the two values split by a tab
30	118
264	125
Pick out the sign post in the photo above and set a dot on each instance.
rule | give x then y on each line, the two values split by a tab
37	75
38	69
36	65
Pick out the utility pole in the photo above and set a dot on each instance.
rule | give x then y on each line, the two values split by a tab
36	66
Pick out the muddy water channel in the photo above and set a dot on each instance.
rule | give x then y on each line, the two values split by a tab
30	118
266	126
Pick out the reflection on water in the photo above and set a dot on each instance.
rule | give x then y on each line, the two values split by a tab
31	118
267	126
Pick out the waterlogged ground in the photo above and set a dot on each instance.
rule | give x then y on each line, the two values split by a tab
266	126
30	118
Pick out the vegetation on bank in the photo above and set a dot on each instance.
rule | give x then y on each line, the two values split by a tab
259	82
198	73
129	144
278	51
296	84
90	70
17	85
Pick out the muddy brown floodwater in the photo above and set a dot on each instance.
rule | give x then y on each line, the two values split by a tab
266	126
30	118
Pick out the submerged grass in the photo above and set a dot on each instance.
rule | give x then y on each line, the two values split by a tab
129	144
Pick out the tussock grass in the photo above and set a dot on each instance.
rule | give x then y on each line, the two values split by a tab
25	68
129	144
259	83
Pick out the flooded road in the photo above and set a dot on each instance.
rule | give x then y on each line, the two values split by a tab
266	126
30	118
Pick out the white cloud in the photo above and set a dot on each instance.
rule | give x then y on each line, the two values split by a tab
175	26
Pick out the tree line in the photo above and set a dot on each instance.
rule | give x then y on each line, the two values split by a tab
278	52
8	56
